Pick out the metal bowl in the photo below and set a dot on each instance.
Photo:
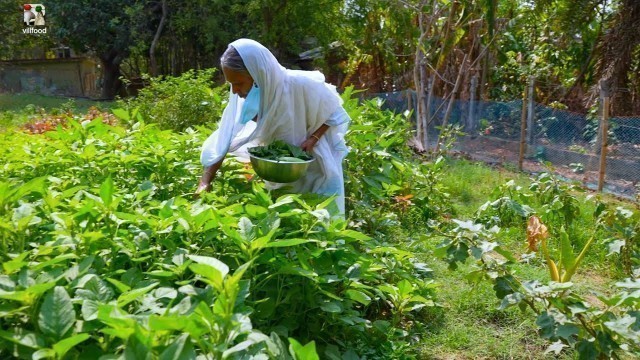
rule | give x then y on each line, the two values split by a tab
279	171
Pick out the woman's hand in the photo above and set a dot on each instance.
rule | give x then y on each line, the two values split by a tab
202	187
308	144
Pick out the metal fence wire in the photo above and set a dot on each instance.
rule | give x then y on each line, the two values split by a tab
557	140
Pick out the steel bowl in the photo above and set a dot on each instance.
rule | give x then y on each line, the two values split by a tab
279	171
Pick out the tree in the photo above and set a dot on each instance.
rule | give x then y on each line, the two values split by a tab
618	47
100	27
15	44
290	27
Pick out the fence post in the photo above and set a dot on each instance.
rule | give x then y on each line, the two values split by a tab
471	121
523	129
530	112
410	104
603	132
427	110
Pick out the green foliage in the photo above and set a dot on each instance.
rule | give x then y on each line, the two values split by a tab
385	186
622	228
97	229
178	102
556	198
563	316
552	41
509	209
279	149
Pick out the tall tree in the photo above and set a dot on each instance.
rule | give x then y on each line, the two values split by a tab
101	27
618	45
14	44
290	27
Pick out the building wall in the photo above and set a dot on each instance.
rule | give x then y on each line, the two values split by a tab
68	77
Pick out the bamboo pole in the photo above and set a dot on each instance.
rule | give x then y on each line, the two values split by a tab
427	110
523	129
409	96
531	126
471	120
603	133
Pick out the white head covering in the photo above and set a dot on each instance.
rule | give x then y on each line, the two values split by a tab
293	104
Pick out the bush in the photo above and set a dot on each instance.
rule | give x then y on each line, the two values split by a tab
179	102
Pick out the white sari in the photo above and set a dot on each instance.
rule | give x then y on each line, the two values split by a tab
293	104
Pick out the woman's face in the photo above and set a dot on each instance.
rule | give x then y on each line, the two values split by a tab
241	83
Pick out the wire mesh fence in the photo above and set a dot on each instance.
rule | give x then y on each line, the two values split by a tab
557	140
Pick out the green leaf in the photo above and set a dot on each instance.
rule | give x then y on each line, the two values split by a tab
29	295
106	191
506	253
288	242
121	114
567	331
332	307
180	349
354	235
547	325
587	350
57	315
358	296
55	260
24	338
89	310
211	268
136	349
122	287
43	354
615	246
15	264
566	251
502	286
63	346
131	295
299	352
35	185
93	288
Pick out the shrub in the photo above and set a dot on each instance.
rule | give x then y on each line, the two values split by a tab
179	102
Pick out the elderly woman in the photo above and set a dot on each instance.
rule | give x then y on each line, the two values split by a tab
267	103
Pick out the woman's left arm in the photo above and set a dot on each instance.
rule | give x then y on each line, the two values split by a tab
313	139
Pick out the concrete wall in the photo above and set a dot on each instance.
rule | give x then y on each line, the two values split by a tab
68	77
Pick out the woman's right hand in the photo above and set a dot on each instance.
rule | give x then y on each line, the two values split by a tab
202	187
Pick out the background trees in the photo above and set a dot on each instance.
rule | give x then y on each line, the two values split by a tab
376	44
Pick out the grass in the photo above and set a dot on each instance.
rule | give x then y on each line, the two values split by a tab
16	109
18	102
469	325
470	184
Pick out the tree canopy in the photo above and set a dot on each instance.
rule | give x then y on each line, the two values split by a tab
568	45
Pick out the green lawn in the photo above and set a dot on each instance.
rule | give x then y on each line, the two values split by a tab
18	102
469	325
16	109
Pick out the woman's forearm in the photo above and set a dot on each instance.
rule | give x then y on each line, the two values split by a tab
321	130
209	173
313	139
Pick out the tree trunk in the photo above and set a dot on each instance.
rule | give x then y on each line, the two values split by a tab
617	55
111	83
456	86
419	78
154	43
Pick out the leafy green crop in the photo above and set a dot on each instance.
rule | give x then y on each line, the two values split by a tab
104	254
280	150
